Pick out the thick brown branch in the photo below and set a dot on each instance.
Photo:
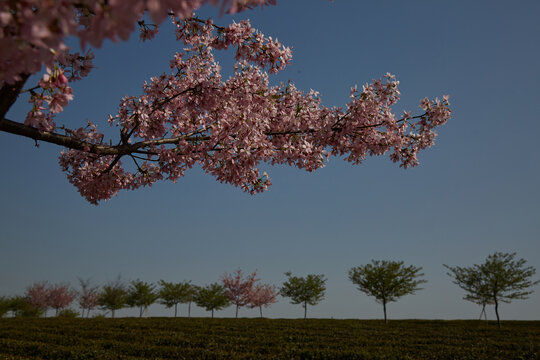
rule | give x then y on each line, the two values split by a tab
138	147
70	142
9	94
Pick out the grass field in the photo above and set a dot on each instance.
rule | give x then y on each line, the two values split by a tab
204	338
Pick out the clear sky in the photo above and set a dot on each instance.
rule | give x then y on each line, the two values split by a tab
475	192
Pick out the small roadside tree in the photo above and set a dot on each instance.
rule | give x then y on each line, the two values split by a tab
113	296
212	297
171	294
307	290
239	288
88	296
472	281
386	281
499	279
60	297
141	294
189	296
263	295
20	307
37	296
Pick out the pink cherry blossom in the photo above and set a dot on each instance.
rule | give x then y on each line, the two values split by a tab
88	296
38	295
191	116
239	289
263	295
60	297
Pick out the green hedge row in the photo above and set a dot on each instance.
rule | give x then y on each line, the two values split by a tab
204	338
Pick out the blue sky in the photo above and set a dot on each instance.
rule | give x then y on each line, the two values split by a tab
475	192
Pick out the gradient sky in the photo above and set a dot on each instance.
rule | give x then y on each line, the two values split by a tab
475	192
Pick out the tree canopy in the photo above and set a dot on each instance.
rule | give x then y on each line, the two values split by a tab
171	294
113	296
386	281
263	295
141	294
308	290
88	296
212	297
239	288
500	278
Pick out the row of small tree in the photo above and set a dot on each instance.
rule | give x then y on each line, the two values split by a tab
234	289
499	279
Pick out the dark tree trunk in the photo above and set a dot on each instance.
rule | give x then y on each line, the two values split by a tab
305	309
497	313
237	306
212	313
260	309
483	312
384	308
9	94
112	313
189	310
140	311
175	306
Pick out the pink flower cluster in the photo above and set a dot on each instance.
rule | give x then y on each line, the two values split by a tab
243	291
43	296
33	32
263	295
53	95
250	44
192	116
88	297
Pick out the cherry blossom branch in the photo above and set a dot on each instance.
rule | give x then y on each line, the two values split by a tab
192	117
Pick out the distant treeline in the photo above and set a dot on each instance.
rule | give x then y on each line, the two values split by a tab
500	278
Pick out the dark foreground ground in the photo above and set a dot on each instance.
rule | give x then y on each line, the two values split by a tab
204	338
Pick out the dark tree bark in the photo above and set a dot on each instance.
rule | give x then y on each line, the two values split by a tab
497	312
9	94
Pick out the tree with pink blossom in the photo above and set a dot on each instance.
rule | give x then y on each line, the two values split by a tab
38	296
263	295
88	296
191	115
60	297
238	288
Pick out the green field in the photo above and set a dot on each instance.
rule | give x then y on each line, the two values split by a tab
204	338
